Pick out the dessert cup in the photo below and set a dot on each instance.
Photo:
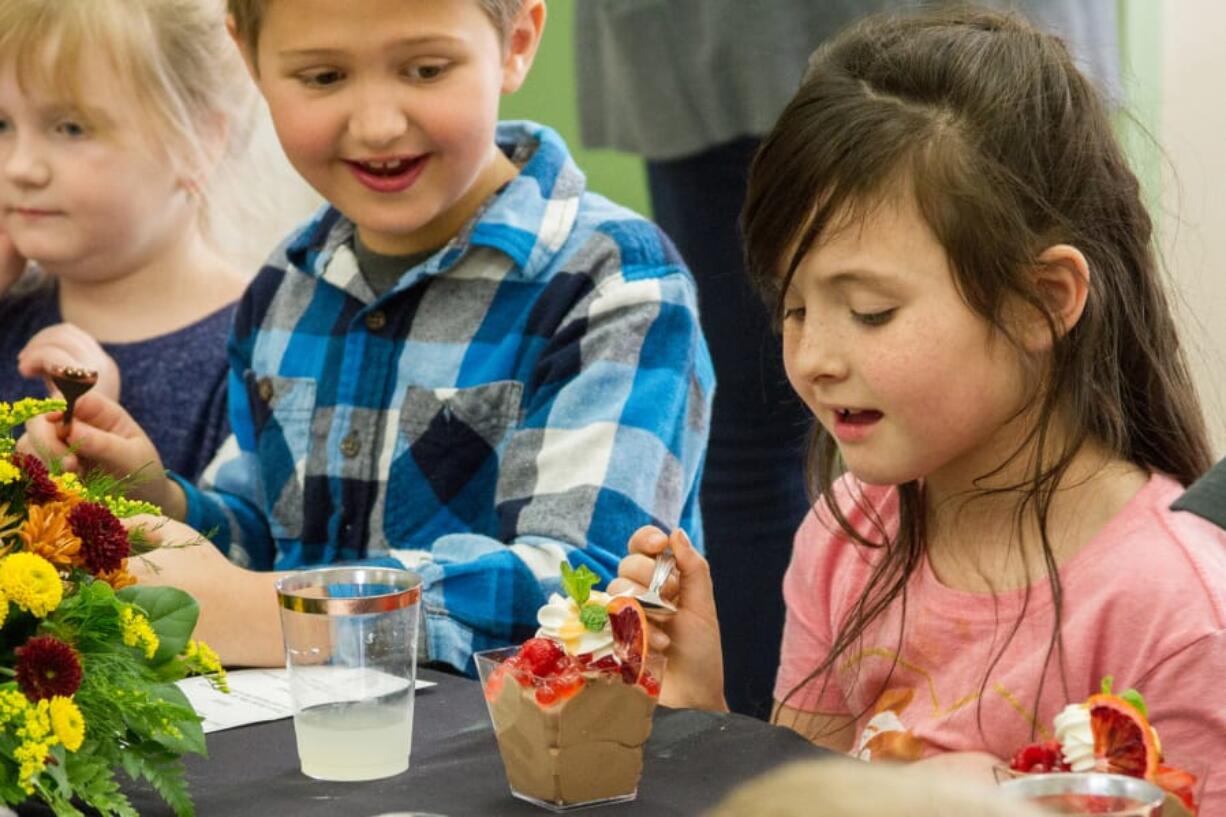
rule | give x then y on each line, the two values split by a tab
1113	795
574	748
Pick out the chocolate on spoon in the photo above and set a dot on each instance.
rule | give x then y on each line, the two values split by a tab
72	381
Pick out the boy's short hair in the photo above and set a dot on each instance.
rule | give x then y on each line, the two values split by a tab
249	15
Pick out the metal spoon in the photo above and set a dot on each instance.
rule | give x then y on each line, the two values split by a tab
72	381
650	598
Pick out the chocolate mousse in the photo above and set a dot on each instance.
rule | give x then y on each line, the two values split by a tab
585	748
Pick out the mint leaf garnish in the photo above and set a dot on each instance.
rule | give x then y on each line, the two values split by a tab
1130	695
578	584
594	616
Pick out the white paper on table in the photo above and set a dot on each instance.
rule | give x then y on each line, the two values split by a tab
256	695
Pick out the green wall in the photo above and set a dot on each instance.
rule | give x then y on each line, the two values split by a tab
549	96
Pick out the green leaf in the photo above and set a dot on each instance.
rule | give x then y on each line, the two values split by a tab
594	616
164	770
191	733
1130	695
578	584
172	614
1138	703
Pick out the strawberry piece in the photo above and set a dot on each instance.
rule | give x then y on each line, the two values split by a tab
493	684
546	694
1039	757
541	655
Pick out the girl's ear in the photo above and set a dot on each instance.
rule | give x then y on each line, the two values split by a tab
521	44
1062	280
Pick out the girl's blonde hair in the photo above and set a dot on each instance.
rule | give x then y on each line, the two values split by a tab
173	56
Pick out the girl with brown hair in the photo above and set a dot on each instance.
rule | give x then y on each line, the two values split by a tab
970	305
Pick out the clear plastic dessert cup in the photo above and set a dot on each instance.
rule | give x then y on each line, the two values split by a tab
1114	795
568	744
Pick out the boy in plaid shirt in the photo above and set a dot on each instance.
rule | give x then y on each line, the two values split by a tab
465	364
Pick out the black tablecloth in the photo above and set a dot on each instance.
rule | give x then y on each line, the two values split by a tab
690	762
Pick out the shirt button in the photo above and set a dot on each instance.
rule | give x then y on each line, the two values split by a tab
376	320
264	387
351	444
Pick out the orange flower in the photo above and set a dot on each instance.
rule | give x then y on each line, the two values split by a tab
119	578
10	525
47	533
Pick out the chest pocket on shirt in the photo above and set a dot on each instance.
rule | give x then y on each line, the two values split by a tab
281	408
449	472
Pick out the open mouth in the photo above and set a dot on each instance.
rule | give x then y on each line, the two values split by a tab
392	167
857	417
390	175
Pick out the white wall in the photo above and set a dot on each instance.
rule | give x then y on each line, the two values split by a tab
268	198
1192	217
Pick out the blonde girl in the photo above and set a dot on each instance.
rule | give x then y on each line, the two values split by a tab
118	122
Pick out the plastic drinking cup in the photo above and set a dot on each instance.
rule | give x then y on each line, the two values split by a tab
351	652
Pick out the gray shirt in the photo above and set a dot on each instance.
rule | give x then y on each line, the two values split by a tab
670	78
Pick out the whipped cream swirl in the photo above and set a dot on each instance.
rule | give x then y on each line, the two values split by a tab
559	620
1076	737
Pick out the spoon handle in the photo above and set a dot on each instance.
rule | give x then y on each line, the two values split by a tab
664	566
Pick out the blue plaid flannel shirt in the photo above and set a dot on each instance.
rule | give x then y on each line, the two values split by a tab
533	392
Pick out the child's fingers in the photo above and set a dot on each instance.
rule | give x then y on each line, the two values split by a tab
648	540
103	413
696	587
41	439
637	568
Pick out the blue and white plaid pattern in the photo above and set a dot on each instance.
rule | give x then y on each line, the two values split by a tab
535	391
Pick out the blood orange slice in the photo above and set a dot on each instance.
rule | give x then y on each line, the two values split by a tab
629	625
1124	742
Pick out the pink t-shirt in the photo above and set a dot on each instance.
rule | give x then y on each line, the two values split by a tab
1144	601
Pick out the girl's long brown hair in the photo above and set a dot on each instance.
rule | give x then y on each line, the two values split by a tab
1008	150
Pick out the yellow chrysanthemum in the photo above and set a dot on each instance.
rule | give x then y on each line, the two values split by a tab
67	722
47	533
4	609
8	472
30	582
137	631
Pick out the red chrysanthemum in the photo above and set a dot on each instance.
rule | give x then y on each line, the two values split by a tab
40	488
104	542
47	667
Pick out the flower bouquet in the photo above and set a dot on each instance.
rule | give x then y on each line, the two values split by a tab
87	660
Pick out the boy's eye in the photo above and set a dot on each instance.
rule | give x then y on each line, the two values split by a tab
4	125
873	318
793	313
425	72
320	79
